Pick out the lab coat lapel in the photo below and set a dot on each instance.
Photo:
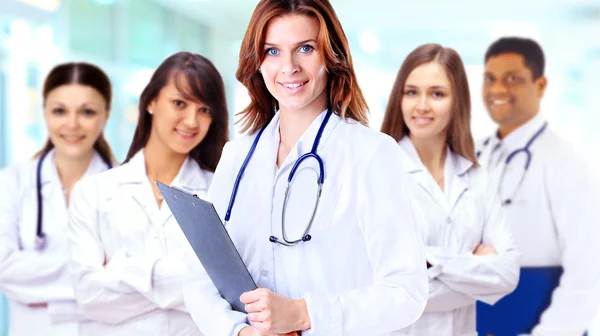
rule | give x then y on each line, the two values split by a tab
456	168
191	179
135	176
418	171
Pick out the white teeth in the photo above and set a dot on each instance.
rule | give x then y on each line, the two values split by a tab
185	134
422	120
72	137
293	86
500	102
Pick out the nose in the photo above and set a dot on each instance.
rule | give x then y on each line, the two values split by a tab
422	104
190	119
73	120
290	64
497	87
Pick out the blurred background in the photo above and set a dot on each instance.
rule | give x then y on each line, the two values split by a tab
129	38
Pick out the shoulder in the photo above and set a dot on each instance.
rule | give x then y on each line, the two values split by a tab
19	174
364	139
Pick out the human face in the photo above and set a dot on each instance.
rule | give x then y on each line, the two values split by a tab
293	68
427	102
75	117
179	124
510	94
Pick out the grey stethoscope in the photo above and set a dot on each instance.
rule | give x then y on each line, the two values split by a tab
320	179
40	236
528	156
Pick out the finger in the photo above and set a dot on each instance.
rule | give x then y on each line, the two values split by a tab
478	248
251	296
255	307
259	317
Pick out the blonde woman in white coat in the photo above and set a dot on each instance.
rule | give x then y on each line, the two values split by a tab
34	197
470	250
126	246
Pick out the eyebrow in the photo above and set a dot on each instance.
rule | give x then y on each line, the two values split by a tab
509	72
435	87
268	44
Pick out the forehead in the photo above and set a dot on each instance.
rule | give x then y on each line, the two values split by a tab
75	94
291	29
507	62
428	75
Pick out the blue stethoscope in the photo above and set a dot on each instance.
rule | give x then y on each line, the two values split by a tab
528	156
320	179
40	236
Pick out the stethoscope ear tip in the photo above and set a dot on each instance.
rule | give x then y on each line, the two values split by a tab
273	239
306	238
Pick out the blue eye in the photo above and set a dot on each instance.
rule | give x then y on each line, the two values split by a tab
272	52
89	112
306	48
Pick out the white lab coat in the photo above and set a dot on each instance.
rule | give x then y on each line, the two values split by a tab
26	275
363	272
555	218
114	220
454	222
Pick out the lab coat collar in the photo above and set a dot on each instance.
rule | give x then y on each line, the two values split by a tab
455	169
519	137
190	176
459	165
269	142
50	172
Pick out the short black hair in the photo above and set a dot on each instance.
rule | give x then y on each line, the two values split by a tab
530	50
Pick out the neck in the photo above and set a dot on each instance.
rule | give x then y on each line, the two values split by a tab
292	124
71	169
505	130
161	163
432	153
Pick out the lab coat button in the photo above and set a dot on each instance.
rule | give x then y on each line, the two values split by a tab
265	273
448	220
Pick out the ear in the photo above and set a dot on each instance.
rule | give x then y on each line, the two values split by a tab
541	84
151	106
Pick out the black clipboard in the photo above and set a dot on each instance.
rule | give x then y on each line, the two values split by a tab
213	246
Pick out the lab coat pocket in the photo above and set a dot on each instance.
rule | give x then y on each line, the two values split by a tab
326	209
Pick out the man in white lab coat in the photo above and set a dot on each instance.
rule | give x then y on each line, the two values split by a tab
551	200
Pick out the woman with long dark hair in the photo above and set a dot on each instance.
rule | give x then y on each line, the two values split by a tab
126	247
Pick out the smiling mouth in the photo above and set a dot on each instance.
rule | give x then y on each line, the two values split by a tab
294	85
72	138
186	134
499	101
422	120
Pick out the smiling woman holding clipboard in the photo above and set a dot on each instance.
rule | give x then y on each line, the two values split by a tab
311	197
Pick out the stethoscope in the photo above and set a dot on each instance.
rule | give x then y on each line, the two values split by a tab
320	179
40	236
528	155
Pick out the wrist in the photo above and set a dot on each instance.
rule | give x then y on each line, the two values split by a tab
244	331
303	317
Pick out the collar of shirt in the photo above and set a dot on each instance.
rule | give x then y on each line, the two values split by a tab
519	137
306	141
454	164
49	171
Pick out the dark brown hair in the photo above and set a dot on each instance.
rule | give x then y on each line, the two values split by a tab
345	96
83	74
197	79
459	137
